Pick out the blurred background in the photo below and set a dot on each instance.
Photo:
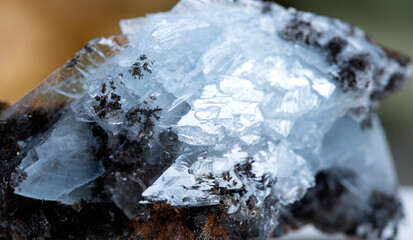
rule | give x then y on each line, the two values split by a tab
38	36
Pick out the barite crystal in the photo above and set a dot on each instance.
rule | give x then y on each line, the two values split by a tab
219	119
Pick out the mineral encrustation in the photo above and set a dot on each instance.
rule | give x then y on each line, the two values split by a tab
220	119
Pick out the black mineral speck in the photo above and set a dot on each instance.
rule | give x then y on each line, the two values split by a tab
112	85
359	62
143	115
142	64
350	71
115	97
73	62
143	57
300	31
396	82
146	67
108	102
335	46
103	88
88	48
246	168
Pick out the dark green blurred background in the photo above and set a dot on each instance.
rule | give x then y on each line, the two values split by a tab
38	36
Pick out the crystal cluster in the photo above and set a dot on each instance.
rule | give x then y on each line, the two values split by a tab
220	119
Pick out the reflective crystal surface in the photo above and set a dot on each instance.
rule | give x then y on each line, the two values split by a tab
239	104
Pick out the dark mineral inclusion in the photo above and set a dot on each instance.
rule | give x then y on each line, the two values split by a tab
242	121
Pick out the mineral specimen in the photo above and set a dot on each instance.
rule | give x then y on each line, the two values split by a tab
218	120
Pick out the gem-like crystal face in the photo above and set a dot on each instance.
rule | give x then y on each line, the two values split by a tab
239	104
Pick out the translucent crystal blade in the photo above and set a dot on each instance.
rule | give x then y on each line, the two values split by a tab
61	164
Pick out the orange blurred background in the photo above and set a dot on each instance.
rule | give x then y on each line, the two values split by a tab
38	36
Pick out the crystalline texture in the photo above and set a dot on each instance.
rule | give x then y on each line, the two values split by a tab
249	116
61	164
